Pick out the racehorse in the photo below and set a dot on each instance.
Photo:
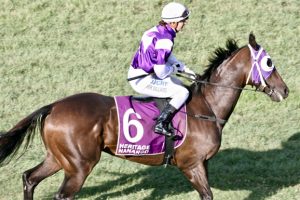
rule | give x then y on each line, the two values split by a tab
78	128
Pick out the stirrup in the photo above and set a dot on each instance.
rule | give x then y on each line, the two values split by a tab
163	131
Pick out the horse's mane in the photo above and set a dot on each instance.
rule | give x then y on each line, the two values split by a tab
219	55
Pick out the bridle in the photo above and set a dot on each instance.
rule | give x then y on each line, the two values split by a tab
262	87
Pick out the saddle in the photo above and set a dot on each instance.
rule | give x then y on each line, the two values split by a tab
160	102
137	117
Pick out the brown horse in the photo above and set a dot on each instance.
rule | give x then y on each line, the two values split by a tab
77	129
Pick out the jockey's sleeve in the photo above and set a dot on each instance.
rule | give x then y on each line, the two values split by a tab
163	71
172	59
163	48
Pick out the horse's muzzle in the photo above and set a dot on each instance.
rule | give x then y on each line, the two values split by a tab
277	94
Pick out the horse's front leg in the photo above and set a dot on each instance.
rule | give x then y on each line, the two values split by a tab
199	178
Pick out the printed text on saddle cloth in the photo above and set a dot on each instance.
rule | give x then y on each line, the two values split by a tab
136	120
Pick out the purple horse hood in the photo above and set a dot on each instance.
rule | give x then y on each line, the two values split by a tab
260	70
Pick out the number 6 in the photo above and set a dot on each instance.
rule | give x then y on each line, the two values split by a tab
127	123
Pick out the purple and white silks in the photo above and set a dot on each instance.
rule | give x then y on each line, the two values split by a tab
155	48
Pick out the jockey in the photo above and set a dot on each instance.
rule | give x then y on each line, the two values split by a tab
154	64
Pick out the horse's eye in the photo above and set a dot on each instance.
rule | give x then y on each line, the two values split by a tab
269	62
266	64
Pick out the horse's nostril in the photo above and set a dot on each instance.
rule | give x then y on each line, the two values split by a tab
286	91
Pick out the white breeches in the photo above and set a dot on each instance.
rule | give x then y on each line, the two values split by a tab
170	87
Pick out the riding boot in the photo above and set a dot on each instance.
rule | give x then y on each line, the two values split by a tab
164	119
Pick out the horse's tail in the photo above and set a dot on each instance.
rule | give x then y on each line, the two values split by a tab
11	141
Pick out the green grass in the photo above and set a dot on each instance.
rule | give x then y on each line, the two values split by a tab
52	49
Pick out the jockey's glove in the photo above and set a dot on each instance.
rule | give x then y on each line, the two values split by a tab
190	72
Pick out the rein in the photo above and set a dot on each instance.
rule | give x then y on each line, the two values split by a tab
192	78
188	77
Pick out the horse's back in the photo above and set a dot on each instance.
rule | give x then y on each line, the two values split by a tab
83	105
85	98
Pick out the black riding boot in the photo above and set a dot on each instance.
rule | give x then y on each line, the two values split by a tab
164	119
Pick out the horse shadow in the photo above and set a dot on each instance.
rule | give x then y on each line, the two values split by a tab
262	173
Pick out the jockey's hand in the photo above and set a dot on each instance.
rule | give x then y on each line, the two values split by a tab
190	73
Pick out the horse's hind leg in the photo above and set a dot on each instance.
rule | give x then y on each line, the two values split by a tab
71	185
74	179
199	179
32	177
77	165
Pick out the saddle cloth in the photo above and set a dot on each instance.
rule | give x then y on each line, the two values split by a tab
136	120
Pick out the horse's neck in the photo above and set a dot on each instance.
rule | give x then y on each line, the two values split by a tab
222	100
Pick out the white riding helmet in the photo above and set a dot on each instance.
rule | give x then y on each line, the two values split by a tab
174	12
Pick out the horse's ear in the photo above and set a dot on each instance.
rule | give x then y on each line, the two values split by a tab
252	41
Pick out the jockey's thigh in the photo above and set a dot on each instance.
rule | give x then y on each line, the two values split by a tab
169	87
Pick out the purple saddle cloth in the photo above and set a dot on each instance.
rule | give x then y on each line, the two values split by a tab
136	120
